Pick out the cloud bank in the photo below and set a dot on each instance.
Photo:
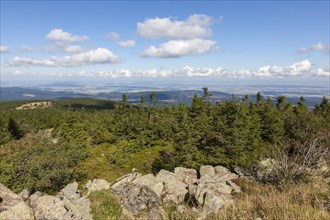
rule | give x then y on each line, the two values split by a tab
98	56
293	70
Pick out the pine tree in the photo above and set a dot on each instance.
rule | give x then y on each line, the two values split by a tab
153	99
124	98
301	106
14	129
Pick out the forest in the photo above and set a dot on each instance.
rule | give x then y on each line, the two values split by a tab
81	139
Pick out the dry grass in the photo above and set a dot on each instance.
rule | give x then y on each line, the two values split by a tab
286	202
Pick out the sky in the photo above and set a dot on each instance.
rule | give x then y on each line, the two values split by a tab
162	40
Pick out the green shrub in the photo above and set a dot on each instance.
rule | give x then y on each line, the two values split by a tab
37	163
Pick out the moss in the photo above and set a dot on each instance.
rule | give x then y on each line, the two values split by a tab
111	161
105	206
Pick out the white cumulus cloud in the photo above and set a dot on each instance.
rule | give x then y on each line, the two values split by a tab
323	72
69	48
296	69
27	49
195	26
178	48
17	73
60	35
97	56
128	43
4	49
72	48
319	46
113	36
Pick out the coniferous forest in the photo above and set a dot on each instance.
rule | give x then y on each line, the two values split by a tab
81	139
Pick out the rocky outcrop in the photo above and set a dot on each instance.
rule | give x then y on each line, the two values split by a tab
143	193
141	197
67	204
35	105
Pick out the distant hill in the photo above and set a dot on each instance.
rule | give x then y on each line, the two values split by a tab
163	97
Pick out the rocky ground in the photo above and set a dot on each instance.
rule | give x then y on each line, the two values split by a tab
140	196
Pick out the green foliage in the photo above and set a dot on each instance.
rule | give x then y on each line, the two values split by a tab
5	135
73	130
105	206
37	163
119	136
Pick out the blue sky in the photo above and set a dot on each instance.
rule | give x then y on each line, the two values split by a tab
134	39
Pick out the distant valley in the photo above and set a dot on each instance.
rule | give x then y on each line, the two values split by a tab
165	95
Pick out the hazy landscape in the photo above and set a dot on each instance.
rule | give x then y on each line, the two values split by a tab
167	92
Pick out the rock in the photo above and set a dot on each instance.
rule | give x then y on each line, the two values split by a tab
137	198
70	192
207	169
35	105
224	173
79	209
125	179
206	179
243	173
174	189
49	207
214	200
34	198
221	169
212	194
8	197
96	185
181	209
200	191
19	211
213	183
150	181
24	194
188	176
68	204
266	169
